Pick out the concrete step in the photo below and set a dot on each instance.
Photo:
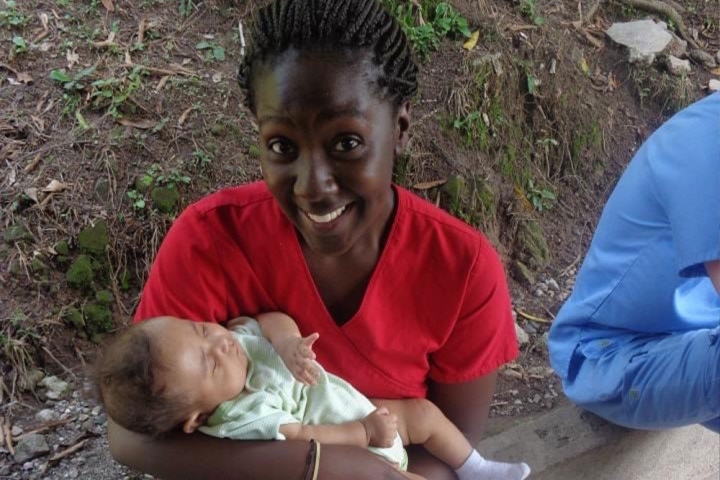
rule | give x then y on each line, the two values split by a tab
571	444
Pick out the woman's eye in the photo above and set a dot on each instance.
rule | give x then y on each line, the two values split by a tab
346	144
281	147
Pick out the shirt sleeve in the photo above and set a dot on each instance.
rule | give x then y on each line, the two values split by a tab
185	280
484	334
685	158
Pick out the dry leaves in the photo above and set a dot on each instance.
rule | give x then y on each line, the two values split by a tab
108	4
72	58
55	186
109	42
472	41
429	185
184	116
141	123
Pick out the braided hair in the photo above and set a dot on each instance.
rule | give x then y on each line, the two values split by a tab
335	25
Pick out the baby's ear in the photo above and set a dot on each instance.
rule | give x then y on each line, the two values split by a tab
196	420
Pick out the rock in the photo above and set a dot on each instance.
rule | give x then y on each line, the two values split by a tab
717	56
552	284
536	398
31	446
677	66
56	388
16	431
165	199
539	292
46	415
102	189
714	85
80	274
532	244
703	58
677	47
523	274
522	337
15	234
30	380
530	329
94	238
643	38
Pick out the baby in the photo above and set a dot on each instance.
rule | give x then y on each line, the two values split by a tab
258	380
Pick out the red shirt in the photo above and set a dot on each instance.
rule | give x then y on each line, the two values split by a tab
437	305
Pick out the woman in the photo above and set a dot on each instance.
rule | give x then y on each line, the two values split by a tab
409	301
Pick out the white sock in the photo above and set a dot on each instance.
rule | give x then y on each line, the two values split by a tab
477	468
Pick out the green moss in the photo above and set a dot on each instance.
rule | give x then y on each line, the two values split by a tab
74	317
165	199
143	183
16	233
254	151
62	248
532	244
80	274
98	320
104	297
94	238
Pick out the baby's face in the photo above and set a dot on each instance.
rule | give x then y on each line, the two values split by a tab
202	361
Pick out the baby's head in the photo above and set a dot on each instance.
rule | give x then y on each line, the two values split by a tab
165	373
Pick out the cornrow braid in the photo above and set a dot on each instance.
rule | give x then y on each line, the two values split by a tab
348	24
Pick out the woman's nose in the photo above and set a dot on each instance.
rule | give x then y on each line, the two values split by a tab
315	177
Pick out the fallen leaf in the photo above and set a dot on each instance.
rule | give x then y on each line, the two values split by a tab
108	4
106	43
162	83
584	66
429	185
34	163
24	78
184	116
472	41
72	58
217	77
45	46
141	30
81	120
44	20
715	71
32	193
55	186
141	123
128	59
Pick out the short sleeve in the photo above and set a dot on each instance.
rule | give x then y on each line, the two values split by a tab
483	337
185	280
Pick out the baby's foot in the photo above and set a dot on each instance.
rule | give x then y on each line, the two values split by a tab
478	468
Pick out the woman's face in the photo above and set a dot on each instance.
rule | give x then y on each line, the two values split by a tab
328	143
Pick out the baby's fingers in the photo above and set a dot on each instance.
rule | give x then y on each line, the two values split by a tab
306	345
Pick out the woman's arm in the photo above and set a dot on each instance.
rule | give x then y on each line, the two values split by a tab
713	271
467	406
196	456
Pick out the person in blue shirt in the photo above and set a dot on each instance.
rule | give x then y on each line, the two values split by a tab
637	341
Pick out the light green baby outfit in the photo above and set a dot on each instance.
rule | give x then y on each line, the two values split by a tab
272	397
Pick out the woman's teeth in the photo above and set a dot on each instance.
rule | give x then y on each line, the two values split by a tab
328	217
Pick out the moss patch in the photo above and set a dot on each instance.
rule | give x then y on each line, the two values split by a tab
165	199
80	274
94	239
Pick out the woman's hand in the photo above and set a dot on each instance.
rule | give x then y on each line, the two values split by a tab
380	428
299	358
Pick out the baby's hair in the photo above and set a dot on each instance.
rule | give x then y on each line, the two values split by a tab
337	24
126	379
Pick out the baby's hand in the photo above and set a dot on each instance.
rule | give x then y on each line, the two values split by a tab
299	358
380	428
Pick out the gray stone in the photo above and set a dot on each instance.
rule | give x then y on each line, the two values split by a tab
717	56
46	415
714	85
644	38
16	431
552	284
703	58
31	446
677	66
522	336
676	47
56	388
639	57
530	329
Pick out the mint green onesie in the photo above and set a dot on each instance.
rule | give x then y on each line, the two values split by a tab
272	397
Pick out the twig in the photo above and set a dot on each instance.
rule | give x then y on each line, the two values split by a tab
46	350
242	38
31	166
68	451
8	439
47	426
533	318
569	267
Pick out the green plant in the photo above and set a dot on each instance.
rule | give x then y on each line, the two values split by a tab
10	15
137	199
213	51
19	44
185	7
426	23
473	128
529	9
74	83
201	159
112	93
540	198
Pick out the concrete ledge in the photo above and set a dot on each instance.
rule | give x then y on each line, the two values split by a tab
570	444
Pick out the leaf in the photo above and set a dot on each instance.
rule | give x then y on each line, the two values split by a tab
184	116
472	41
60	76
81	120
715	71
429	185
72	58
141	123
23	77
202	46
32	193
219	53
584	66
108	4
55	186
